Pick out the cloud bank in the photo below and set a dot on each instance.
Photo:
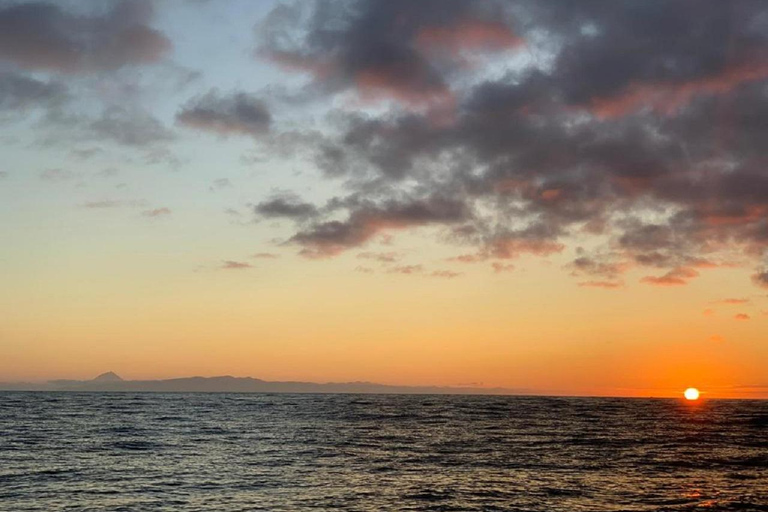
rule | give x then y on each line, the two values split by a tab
517	127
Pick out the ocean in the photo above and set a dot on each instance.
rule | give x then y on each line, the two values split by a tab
249	452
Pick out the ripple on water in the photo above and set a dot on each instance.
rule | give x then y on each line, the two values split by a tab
198	452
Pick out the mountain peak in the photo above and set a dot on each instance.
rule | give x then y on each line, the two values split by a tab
108	377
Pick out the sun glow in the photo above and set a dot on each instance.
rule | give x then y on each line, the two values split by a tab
691	394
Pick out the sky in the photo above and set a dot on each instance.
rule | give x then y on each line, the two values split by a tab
554	197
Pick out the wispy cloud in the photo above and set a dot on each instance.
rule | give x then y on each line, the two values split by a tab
157	212
446	274
235	265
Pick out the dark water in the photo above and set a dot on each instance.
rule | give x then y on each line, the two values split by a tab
220	452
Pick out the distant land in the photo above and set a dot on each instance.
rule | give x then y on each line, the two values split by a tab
110	381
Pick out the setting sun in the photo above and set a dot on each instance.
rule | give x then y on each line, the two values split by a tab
691	394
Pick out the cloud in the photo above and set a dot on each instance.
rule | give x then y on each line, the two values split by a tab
234	114
264	256
603	271
111	203
235	265
58	175
634	127
406	269
44	36
395	50
676	277
512	245
609	285
734	301
3	175
19	92
468	35
103	204
157	212
467	258
716	338
127	126
219	184
382	257
499	267
741	316
329	238
285	206
761	278
445	274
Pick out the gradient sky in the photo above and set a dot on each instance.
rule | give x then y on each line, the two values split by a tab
550	196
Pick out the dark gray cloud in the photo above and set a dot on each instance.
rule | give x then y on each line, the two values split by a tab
19	92
238	113
761	278
287	206
366	220
395	49
598	270
45	36
645	125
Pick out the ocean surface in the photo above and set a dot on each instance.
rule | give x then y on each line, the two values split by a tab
246	452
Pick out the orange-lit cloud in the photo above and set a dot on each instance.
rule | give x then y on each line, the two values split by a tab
668	98
511	247
499	267
390	83
676	277
468	35
734	301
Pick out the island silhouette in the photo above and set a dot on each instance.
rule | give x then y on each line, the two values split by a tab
112	382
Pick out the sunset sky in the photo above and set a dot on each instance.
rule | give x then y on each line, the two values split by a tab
550	196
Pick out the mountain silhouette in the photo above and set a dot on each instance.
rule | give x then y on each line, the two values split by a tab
111	382
108	377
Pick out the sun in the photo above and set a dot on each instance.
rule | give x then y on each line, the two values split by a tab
691	394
